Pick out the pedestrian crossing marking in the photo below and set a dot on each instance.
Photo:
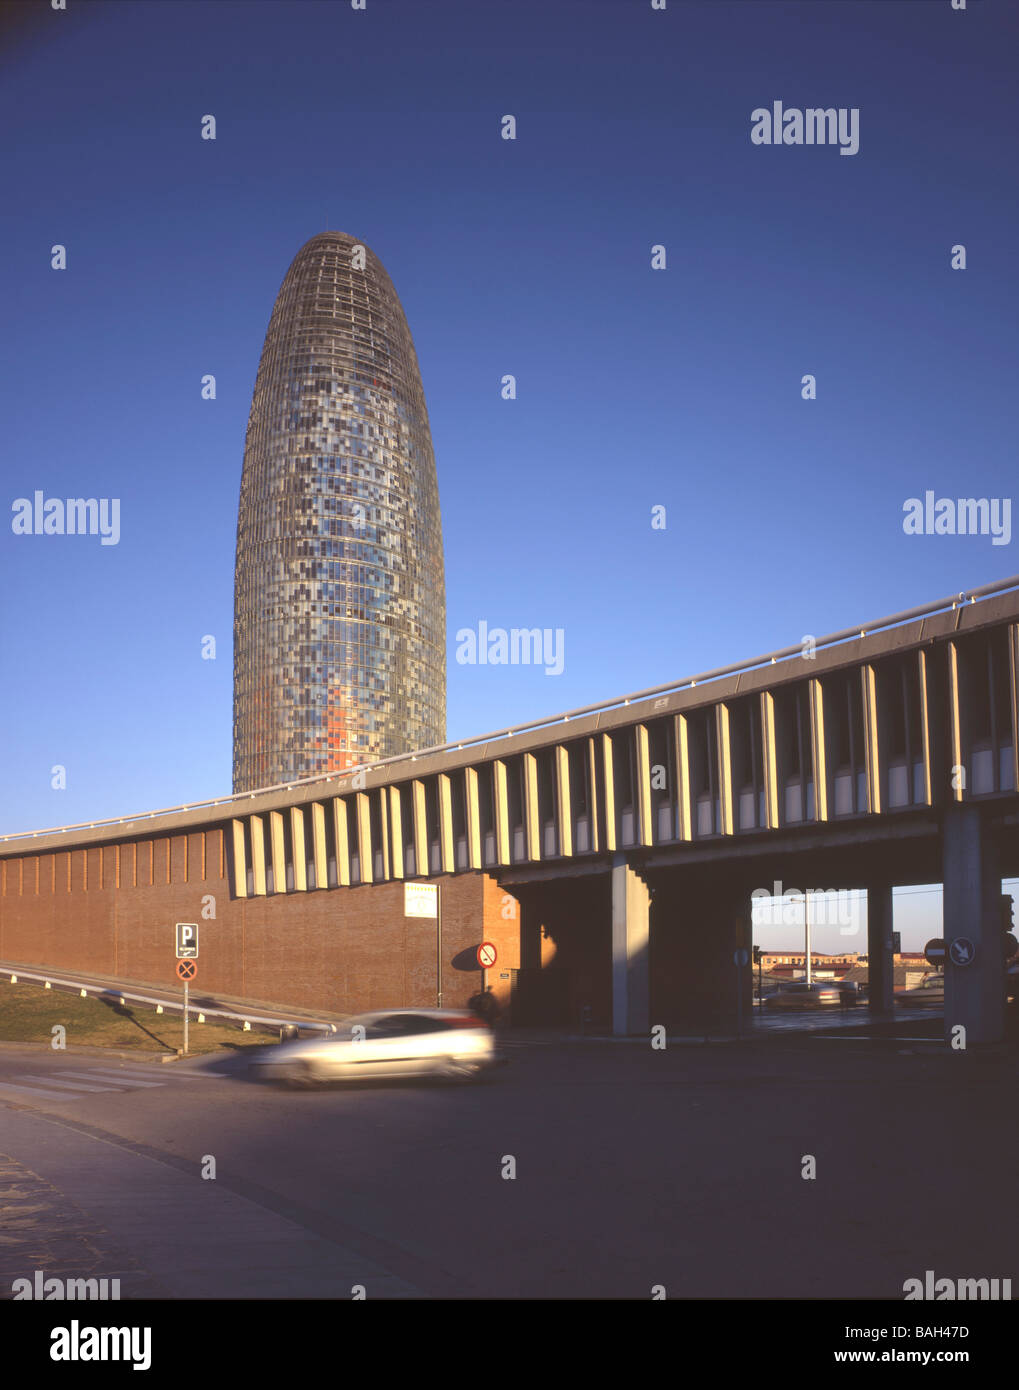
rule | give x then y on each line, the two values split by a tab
60	1085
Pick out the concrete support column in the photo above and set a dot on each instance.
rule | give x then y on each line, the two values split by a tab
880	948
971	872
530	935
631	919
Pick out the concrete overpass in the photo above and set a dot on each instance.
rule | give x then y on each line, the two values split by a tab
628	836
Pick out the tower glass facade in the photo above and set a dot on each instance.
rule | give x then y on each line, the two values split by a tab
339	594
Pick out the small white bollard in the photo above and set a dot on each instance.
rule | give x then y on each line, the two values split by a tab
159	1008
247	1027
14	979
84	995
47	985
201	1018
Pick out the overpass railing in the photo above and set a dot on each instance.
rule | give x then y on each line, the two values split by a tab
688	682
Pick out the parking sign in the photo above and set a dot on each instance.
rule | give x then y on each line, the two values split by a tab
187	940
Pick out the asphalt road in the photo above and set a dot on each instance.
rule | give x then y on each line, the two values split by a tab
633	1168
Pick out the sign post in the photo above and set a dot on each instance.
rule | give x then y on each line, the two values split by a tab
186	934
806	933
760	987
186	970
425	900
487	955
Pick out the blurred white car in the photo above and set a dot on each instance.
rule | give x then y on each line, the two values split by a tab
930	990
800	995
389	1043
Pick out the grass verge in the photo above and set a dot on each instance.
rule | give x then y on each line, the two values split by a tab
30	1012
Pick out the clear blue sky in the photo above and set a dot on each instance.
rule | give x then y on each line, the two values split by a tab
636	387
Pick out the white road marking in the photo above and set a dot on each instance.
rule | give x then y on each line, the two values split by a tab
33	1091
92	1075
126	1078
165	1073
62	1085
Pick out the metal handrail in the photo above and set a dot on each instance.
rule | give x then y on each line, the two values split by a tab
688	682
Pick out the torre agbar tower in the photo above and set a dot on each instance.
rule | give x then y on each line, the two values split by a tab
339	593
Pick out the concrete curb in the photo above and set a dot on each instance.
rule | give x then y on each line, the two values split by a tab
83	1050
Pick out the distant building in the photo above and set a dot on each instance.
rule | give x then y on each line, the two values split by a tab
790	965
339	591
909	967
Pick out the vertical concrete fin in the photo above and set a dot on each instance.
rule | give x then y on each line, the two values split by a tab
683	807
277	847
818	750
396	831
871	738
364	837
340	837
724	748
383	798
532	819
926	752
446	860
609	797
642	768
318	842
298	849
502	829
240	859
564	815
421	867
592	800
769	758
473	816
956	727
257	856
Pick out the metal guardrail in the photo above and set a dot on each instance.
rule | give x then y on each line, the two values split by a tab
687	683
89	989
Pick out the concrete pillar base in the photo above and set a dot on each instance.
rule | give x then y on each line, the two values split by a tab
880	948
975	978
631	922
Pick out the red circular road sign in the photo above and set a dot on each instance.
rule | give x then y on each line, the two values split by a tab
487	955
935	951
186	970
